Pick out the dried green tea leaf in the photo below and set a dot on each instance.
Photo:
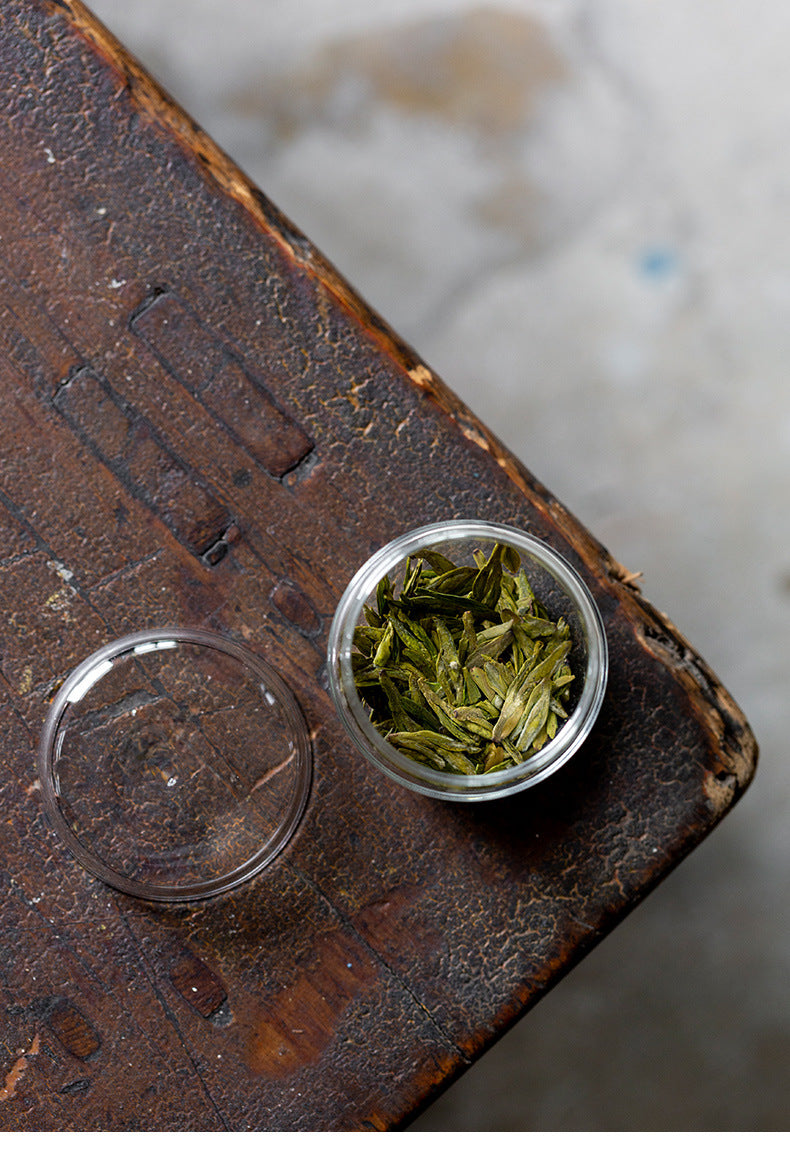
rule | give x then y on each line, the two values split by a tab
456	580
436	560
384	647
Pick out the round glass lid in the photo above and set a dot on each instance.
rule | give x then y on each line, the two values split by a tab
175	764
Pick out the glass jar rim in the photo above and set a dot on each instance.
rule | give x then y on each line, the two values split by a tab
422	778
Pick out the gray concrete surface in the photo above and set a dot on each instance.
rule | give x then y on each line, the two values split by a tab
600	187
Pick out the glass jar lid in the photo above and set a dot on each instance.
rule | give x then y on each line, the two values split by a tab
175	764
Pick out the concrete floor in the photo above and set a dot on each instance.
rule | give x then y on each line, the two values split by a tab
601	188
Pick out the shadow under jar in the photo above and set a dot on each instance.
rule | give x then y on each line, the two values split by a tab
559	595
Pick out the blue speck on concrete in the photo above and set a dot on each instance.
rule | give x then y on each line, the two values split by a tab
658	263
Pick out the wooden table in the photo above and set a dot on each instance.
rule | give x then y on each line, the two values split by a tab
150	296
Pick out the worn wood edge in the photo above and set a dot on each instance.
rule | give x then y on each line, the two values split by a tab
733	747
513	1014
155	102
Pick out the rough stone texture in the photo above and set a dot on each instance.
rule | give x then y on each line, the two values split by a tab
542	279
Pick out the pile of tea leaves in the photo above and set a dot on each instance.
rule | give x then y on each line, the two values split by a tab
463	670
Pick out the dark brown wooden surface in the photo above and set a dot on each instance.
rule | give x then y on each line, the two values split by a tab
150	300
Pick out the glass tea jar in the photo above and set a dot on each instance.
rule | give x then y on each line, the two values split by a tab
462	546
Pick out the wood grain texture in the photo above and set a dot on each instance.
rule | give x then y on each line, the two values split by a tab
204	425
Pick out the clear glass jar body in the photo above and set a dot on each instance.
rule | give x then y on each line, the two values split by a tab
556	584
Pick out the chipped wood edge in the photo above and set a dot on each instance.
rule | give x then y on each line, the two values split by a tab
733	747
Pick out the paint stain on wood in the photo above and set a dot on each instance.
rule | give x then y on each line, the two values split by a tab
300	1021
17	1070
